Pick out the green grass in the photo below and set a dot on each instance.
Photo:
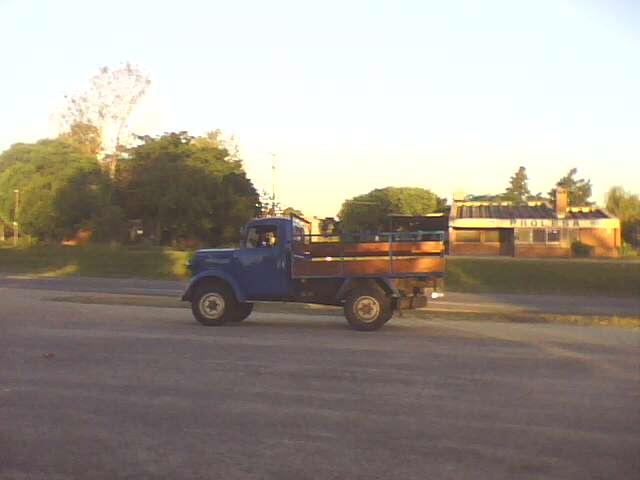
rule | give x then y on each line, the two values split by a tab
482	275
555	276
95	260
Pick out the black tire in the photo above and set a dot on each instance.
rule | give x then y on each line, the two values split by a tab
367	309
243	310
213	304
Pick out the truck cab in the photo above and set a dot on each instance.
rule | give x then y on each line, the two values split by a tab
264	259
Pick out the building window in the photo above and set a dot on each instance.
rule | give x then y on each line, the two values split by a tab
553	236
470	236
569	235
523	235
491	236
539	235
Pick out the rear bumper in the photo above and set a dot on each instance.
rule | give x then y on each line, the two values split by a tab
413	301
419	298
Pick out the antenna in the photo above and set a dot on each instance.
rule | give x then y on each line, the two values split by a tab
273	178
273	185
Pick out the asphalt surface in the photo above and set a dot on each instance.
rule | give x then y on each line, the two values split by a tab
164	288
109	392
457	302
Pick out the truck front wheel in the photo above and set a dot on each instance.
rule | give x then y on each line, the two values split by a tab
367	309
213	304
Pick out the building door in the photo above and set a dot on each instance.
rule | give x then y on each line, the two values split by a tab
507	245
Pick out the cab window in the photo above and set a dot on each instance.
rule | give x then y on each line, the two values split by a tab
262	236
299	240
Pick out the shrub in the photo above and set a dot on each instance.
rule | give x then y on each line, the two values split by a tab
581	250
627	250
107	224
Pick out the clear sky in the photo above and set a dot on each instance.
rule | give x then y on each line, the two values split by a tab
354	95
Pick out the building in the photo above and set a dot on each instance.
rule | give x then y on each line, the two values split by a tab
324	226
535	229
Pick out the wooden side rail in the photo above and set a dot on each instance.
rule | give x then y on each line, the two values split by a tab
333	249
367	266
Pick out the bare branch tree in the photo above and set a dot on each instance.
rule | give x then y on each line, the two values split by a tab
107	104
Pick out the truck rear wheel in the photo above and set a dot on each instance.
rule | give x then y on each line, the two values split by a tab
243	310
213	304
367	309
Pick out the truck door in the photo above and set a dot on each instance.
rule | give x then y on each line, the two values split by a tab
264	263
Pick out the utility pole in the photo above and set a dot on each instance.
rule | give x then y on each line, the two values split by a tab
15	217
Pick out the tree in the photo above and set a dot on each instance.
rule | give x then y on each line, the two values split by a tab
184	186
370	212
85	137
518	190
107	105
579	191
287	212
269	206
485	197
217	139
60	187
625	206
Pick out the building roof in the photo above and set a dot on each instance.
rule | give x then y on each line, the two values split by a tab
503	211
536	211
591	214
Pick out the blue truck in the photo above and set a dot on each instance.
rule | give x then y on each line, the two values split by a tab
278	260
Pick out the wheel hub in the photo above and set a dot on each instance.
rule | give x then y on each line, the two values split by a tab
212	305
367	309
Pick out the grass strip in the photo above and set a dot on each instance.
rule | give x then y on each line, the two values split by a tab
475	275
550	276
95	261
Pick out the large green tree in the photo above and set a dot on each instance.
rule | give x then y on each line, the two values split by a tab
59	186
626	206
370	212
579	190
184	186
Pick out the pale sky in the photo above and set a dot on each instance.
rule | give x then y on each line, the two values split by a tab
353	95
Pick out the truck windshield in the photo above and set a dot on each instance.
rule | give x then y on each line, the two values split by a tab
262	236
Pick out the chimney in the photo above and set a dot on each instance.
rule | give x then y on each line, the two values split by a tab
459	196
561	202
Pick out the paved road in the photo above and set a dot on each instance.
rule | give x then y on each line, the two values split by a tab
460	302
108	392
94	284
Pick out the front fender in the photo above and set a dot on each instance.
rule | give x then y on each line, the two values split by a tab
214	274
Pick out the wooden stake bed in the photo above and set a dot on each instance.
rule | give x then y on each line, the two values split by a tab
398	259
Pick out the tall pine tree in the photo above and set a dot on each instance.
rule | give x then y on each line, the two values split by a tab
579	189
518	189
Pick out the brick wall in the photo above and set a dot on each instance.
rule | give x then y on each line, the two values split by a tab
541	250
605	241
474	248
